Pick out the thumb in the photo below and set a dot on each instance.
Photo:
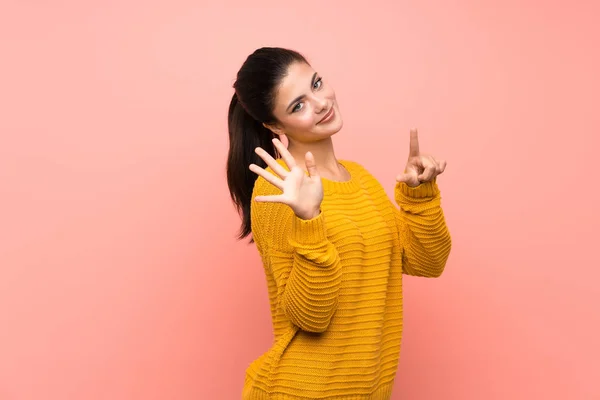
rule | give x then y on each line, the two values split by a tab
410	178
311	166
403	178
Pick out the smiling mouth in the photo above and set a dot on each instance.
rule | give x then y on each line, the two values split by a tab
327	116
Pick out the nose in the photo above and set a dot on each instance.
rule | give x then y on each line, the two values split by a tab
320	104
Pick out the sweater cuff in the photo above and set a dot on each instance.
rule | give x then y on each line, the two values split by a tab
424	190
309	231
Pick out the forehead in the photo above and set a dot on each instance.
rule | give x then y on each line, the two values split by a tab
297	82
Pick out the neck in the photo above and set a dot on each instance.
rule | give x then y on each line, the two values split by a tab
325	159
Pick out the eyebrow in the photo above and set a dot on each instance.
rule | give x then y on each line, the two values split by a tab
297	99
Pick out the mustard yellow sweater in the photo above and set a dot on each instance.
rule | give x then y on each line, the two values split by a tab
335	286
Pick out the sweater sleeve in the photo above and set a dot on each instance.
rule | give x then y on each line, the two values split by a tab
424	236
303	262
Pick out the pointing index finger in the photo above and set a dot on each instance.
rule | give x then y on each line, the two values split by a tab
414	143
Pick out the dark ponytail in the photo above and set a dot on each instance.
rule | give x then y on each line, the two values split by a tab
245	135
251	107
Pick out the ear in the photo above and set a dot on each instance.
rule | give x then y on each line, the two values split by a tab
275	129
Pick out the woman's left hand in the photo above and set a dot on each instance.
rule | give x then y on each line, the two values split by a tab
419	168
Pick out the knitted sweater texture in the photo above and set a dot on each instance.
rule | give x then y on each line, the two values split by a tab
335	286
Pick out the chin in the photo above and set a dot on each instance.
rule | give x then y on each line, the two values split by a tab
336	126
332	127
330	130
339	121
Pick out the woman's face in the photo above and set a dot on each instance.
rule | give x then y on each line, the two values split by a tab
305	106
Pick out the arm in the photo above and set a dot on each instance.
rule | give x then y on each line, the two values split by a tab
304	264
424	236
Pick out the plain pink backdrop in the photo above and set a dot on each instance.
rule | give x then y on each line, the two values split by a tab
120	277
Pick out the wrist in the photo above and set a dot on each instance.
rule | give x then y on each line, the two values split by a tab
423	190
309	214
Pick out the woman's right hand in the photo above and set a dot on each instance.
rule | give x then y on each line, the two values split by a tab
302	193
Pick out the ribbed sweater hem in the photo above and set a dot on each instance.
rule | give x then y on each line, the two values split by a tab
384	392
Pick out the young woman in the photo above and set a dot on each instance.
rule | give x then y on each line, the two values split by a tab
333	245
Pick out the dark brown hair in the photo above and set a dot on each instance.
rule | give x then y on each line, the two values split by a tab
251	106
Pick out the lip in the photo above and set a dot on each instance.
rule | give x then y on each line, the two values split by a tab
327	117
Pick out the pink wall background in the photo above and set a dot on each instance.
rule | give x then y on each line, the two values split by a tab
119	274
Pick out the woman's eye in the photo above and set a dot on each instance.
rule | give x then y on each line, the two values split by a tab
297	107
318	83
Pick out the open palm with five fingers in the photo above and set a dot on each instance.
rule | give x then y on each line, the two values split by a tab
302	193
419	168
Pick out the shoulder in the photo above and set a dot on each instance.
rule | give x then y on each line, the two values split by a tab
271	223
264	188
267	210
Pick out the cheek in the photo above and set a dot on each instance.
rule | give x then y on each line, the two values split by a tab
303	121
